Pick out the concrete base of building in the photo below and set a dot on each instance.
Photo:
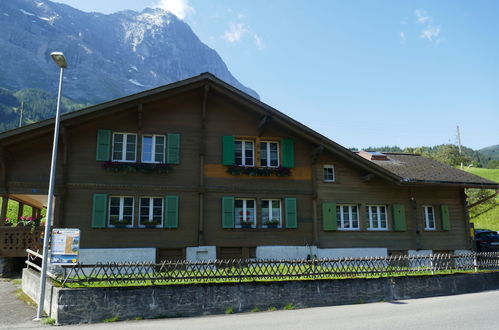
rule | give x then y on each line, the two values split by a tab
201	253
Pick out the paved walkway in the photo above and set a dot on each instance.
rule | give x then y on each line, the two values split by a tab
14	312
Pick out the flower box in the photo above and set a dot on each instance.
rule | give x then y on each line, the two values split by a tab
136	167
259	171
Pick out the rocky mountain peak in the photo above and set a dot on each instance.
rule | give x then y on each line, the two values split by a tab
109	56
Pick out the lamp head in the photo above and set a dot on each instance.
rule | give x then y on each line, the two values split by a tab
59	59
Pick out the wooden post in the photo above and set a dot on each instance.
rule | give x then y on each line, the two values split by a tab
3	212
313	159
20	210
202	152
414	217
33	212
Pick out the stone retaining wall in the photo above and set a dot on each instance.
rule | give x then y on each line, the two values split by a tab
97	304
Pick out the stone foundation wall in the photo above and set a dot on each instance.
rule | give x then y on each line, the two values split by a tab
97	304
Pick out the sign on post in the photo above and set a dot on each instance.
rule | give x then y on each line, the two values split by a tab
65	246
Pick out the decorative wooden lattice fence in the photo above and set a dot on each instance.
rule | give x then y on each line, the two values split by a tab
237	270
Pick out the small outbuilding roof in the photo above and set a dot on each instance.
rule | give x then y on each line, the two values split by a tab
413	168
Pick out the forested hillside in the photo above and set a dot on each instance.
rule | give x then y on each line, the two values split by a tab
38	105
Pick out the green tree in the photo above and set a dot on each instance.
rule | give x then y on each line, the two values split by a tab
475	195
449	154
492	164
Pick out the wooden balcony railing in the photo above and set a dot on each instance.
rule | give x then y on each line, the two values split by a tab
15	240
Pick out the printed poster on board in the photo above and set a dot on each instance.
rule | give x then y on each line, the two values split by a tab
65	246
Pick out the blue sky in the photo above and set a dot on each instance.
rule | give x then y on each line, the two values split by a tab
363	73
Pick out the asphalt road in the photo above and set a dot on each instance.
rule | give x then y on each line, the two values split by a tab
14	312
469	311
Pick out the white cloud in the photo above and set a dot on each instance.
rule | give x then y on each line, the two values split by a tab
258	41
235	32
431	33
238	31
402	36
179	8
422	16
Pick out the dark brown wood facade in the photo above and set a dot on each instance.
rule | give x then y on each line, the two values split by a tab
202	112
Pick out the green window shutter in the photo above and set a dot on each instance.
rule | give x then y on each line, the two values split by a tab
171	214
173	149
444	216
288	153
329	216
99	211
103	145
228	150
227	212
291	216
398	211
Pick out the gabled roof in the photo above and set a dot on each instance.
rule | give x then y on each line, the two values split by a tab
413	168
200	81
208	79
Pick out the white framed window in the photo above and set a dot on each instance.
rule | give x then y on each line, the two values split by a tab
151	211
245	213
376	217
269	154
329	175
124	147
120	212
153	148
271	213
347	217
244	153
429	217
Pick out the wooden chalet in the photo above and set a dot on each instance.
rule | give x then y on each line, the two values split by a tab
198	169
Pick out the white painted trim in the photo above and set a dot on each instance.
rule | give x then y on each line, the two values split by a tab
243	149
378	213
326	166
153	151
120	215
350	219
237	224
270	211
426	218
268	154
123	151
151	209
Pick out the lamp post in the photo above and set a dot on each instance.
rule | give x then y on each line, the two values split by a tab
60	60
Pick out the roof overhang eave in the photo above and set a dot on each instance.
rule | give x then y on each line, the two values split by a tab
451	184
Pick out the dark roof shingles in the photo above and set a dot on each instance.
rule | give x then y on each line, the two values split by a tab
415	168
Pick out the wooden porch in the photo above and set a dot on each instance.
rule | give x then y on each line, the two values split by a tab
15	240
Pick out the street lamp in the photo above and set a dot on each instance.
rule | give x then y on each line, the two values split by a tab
60	60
